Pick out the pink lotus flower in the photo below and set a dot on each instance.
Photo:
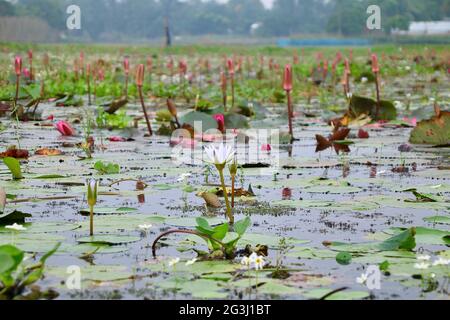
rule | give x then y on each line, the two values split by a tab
375	66
116	139
140	75
230	65
126	66
18	66
50	117
287	81
266	148
26	73
220	118
64	128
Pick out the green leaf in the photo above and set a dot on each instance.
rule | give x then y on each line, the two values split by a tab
344	258
14	166
10	258
435	131
106	168
241	226
403	241
194	118
220	231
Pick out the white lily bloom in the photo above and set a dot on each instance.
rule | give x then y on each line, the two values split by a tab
364	80
191	262
183	177
441	262
362	279
174	262
145	227
422	266
16	227
259	263
424	258
246	261
220	155
253	257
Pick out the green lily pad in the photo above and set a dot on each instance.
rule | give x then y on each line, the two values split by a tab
109	239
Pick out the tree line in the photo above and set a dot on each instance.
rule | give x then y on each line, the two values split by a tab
144	19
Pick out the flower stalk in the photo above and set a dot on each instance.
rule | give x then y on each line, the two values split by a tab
139	83
92	192
376	72
287	86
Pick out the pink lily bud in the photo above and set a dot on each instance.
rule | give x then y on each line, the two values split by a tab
266	148
88	70
30	54
230	65
126	66
375	66
182	66
64	128
26	73
140	75
220	118
287	81
18	66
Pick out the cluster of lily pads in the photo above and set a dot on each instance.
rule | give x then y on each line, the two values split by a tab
189	230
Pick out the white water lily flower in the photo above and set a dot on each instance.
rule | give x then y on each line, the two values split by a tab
441	262
145	227
364	80
259	263
191	262
173	262
362	279
16	227
246	261
220	155
422	266
183	177
424	258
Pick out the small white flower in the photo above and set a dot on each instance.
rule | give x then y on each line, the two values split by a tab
441	262
246	261
220	155
422	266
16	227
253	257
173	262
259	263
362	279
408	68
183	177
191	262
349	95
424	258
364	80
145	227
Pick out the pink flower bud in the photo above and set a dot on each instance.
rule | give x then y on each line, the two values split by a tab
287	81
126	66
18	66
64	128
140	75
375	66
230	65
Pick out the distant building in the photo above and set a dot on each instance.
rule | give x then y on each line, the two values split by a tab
424	28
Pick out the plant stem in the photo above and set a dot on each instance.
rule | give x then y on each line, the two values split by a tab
225	194
141	97
377	84
91	224
232	91
17	89
289	102
233	181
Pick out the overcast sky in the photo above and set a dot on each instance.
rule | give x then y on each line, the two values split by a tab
267	3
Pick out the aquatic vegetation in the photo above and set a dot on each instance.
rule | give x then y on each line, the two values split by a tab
92	194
